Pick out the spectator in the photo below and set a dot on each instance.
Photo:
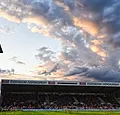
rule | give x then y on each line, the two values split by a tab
57	101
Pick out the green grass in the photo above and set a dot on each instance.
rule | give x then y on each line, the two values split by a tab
59	113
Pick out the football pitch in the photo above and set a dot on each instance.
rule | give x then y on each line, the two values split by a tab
59	113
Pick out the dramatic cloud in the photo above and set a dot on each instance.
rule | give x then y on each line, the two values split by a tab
87	25
88	31
45	55
9	17
98	50
53	69
101	74
47	62
44	31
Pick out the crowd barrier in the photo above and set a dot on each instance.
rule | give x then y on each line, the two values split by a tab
71	109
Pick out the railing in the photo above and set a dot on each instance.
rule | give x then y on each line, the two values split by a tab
70	109
65	109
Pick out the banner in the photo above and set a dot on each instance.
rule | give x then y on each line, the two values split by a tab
64	83
102	84
26	82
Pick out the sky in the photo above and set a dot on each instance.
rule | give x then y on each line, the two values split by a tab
23	45
60	40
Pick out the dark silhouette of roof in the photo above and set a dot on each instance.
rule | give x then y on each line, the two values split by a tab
58	86
1	51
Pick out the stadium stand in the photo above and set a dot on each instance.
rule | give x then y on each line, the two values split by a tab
27	94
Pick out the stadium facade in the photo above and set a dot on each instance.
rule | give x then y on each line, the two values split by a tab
59	95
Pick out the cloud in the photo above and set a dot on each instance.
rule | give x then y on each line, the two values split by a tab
6	30
44	31
62	5
13	11
20	62
88	31
100	74
9	17
48	62
51	70
45	55
20	77
109	71
76	70
113	60
35	20
87	25
98	50
14	58
17	61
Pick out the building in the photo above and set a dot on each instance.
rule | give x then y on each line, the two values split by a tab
30	94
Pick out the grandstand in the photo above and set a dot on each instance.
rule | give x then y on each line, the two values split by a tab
59	95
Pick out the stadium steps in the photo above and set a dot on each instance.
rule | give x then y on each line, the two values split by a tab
75	99
116	99
101	100
47	99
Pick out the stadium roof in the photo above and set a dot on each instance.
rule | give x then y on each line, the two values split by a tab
59	86
1	51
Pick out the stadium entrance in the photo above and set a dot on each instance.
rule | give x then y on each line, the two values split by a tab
59	95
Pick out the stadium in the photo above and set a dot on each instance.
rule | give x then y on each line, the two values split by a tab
59	57
29	95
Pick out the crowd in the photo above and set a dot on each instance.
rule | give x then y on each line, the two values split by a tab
57	101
